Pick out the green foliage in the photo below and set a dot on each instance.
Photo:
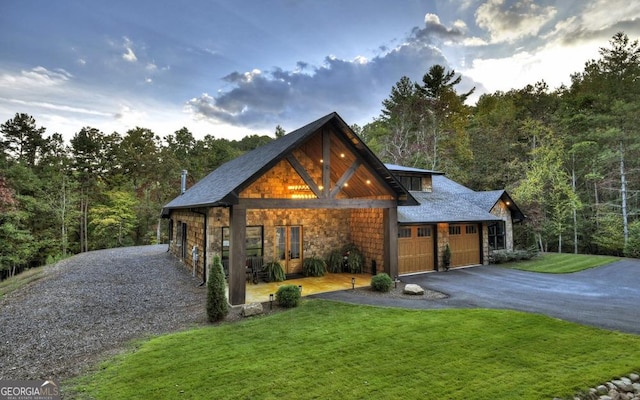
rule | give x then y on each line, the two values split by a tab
217	305
335	261
354	258
381	282
632	248
112	222
274	271
288	296
446	256
506	256
314	266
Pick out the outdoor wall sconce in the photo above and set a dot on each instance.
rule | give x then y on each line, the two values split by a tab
353	283
271	301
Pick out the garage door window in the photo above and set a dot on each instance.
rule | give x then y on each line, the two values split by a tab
454	230
471	229
404	232
424	231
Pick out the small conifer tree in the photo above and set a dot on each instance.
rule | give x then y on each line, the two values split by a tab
217	306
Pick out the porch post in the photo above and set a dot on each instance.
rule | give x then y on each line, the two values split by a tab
237	255
390	226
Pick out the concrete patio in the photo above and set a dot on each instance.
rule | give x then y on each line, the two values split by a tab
258	293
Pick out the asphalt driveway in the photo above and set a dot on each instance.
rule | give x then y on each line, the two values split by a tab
606	297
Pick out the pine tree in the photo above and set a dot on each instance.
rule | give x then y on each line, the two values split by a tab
217	306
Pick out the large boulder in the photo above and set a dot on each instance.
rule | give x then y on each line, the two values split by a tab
251	309
413	289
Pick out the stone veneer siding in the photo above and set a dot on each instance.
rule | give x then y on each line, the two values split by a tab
501	210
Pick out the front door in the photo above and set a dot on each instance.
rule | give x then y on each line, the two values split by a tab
289	248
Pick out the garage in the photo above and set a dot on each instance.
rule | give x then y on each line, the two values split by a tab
464	241
415	249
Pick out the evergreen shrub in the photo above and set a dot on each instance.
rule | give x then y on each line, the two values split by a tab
217	306
381	282
288	296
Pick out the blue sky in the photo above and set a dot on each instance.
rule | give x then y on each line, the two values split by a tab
232	68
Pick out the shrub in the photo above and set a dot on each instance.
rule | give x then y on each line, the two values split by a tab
274	271
506	256
314	266
335	261
632	249
288	296
381	282
217	306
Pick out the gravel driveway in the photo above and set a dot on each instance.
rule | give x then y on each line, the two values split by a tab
606	297
89	306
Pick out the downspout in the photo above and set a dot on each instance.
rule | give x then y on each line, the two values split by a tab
204	246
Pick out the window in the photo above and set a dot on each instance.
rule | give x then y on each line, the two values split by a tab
424	231
404	232
454	230
413	183
254	243
497	233
471	229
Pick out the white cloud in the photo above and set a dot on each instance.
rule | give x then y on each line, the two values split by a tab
554	64
129	55
508	23
34	78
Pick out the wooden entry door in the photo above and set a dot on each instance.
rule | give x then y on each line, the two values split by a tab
289	248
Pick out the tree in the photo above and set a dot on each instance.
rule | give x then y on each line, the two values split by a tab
114	220
22	140
217	305
280	132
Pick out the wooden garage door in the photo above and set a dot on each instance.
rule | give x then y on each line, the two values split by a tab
464	240
415	249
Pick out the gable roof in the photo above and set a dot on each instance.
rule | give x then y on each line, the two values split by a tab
450	201
222	186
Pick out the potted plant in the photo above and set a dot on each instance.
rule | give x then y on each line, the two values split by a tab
274	271
446	257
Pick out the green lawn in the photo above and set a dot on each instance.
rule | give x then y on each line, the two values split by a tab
555	263
328	350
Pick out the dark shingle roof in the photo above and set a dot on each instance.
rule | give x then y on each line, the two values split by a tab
222	186
443	207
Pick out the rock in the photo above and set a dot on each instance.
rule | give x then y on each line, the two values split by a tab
602	389
623	385
251	309
634	377
413	289
636	387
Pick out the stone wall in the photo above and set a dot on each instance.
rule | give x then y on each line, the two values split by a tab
195	237
501	210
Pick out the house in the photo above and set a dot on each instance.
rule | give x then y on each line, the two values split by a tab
319	187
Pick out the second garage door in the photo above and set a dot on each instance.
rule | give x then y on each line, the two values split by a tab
464	240
415	249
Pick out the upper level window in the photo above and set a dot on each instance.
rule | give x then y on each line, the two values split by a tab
413	183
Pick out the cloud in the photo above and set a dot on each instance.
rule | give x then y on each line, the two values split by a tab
129	55
508	23
38	77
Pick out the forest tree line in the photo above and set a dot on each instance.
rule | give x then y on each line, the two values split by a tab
570	157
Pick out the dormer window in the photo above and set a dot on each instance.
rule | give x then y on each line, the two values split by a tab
412	183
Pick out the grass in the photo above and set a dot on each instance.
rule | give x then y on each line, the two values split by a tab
554	263
16	282
327	350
